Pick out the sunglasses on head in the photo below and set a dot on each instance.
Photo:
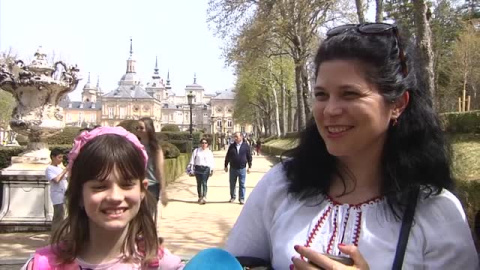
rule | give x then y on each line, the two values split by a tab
203	142
374	29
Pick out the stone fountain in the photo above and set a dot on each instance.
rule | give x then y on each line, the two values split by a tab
37	88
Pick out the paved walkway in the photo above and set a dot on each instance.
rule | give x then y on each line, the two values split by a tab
186	226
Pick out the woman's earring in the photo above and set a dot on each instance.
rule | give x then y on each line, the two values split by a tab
394	122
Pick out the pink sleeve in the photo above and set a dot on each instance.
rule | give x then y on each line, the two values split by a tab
170	261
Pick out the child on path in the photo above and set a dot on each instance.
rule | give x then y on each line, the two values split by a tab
109	225
57	177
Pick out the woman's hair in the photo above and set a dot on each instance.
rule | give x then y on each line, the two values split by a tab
97	160
204	139
153	143
415	153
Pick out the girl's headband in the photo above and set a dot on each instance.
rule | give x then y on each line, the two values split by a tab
87	136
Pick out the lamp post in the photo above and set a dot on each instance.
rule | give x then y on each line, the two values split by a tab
214	142
190	97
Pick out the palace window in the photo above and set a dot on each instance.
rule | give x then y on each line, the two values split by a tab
110	112
122	113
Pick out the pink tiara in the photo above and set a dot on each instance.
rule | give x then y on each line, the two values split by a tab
87	136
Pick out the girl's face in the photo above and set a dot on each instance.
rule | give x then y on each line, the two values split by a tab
350	113
112	203
141	131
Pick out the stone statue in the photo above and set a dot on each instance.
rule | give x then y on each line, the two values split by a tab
37	92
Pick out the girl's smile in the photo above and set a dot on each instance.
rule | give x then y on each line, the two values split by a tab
112	203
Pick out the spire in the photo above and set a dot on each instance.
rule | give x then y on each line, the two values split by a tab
155	73
87	85
131	61
131	46
98	82
168	77
195	78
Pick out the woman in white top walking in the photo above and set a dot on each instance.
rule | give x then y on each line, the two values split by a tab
202	162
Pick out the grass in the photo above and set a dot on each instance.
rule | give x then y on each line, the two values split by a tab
286	143
466	156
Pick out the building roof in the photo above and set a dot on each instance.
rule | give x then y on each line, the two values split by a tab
78	105
225	95
128	91
195	85
129	79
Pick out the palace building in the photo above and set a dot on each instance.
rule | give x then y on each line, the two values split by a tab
132	99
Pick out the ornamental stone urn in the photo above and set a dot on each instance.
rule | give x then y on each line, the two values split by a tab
37	89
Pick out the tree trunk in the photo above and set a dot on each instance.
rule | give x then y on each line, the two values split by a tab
306	91
290	114
379	11
361	17
424	43
300	104
282	109
277	116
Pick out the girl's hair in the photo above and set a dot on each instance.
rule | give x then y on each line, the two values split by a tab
204	139
152	137
415	153
97	159
153	143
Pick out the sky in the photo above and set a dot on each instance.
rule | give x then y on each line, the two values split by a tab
95	35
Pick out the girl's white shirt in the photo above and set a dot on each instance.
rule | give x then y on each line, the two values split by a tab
272	223
202	157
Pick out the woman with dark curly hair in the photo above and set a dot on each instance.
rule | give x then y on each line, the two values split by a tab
368	184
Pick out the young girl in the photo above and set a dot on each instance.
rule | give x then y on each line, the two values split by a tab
145	131
109	225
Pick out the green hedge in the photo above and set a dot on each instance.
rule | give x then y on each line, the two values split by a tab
292	135
269	139
179	136
64	137
6	153
169	150
272	150
466	122
183	146
129	125
170	127
175	167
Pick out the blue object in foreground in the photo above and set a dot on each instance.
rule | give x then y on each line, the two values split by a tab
213	259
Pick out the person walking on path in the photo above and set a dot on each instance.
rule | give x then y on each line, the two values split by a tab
258	146
57	176
202	161
156	180
238	155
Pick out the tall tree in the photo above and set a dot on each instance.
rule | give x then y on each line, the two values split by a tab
446	26
465	65
293	23
378	11
422	15
360	5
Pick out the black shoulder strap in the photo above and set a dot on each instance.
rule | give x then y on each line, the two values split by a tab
405	230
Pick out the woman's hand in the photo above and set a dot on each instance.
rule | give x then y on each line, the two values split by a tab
164	198
319	261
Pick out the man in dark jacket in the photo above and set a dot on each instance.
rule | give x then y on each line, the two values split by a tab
238	155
